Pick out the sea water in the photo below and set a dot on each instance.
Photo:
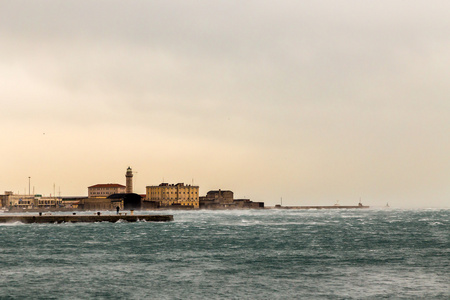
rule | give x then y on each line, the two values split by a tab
245	254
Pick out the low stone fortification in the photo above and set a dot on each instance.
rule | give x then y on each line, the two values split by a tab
84	218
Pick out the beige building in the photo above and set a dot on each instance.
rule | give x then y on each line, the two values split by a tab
173	194
21	201
9	199
105	190
48	201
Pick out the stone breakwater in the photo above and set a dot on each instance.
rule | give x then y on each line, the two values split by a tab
84	218
322	207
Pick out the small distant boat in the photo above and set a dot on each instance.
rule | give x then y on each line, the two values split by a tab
387	204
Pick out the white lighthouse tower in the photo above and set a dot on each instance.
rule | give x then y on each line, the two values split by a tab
129	182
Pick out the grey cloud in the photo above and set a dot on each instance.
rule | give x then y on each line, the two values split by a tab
330	80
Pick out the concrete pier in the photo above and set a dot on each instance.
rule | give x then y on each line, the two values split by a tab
83	218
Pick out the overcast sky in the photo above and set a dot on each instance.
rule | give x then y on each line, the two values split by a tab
313	101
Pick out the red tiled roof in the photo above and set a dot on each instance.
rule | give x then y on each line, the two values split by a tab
107	185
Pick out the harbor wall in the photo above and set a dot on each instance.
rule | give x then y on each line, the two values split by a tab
83	218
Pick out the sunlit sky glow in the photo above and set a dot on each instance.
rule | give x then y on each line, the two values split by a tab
312	101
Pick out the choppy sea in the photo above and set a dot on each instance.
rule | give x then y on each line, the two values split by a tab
246	254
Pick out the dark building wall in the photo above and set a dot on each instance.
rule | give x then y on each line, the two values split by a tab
236	204
150	204
246	203
131	201
215	205
100	204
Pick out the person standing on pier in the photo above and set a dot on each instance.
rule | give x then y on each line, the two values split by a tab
117	209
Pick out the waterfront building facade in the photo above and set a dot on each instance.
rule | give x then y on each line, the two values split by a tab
11	200
20	201
44	202
173	195
105	190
